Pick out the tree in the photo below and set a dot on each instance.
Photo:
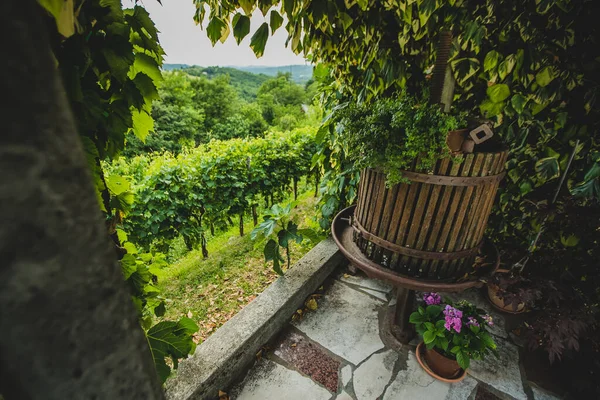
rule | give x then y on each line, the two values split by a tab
216	97
281	101
177	119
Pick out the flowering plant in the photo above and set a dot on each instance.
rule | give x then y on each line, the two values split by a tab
457	331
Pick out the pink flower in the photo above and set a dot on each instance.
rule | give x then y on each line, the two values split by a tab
472	321
488	319
453	319
432	298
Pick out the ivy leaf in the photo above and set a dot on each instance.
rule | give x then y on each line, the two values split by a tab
241	27
275	21
506	66
588	189
547	168
259	40
490	109
491	60
569	241
518	103
498	93
545	76
142	124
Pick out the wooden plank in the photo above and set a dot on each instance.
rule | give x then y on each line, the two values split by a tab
452	213
378	208
437	231
427	225
402	236
459	224
361	190
488	193
475	212
382	231
494	189
394	228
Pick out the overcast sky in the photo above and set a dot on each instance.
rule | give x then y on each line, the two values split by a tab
185	43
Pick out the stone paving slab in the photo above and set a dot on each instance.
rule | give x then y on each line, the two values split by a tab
414	383
346	323
346	375
269	380
379	295
372	376
502	373
366	283
541	394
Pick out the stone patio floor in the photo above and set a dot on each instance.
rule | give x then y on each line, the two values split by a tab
337	352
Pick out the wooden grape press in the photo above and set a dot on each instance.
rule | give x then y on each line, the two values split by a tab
428	234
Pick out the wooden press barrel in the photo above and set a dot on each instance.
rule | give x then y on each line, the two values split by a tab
431	228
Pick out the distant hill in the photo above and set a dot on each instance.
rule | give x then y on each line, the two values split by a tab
246	80
300	73
245	83
170	67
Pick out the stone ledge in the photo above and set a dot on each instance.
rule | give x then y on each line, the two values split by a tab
228	352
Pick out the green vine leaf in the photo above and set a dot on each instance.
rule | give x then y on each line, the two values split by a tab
275	21
142	124
169	339
241	27
259	40
64	14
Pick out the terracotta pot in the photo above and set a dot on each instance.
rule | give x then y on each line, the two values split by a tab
455	139
499	302
442	365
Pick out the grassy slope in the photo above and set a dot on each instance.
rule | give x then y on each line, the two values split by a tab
212	290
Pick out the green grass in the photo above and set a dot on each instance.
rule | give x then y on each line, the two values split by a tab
212	290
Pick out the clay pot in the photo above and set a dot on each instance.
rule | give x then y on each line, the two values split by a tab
441	365
499	302
455	140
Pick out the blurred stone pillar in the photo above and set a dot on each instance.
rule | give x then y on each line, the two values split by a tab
68	328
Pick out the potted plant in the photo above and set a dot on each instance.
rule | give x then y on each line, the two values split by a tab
453	334
400	133
513	293
416	196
